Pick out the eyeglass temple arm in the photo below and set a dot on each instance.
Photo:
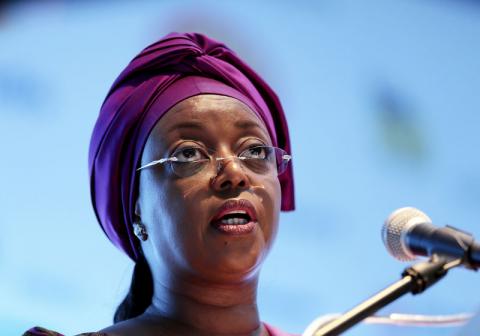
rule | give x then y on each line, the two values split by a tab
153	163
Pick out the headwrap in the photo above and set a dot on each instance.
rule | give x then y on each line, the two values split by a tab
177	67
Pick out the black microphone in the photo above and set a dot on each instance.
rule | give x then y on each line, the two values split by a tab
408	233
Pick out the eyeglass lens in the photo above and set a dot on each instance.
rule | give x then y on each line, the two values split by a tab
260	160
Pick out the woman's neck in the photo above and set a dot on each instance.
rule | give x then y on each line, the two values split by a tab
190	307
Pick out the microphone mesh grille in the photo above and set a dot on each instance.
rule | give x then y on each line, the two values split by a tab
396	226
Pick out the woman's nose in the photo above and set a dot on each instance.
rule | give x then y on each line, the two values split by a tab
230	175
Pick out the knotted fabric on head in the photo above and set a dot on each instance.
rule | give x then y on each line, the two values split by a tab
175	68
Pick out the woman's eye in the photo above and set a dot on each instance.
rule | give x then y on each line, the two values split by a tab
189	154
258	152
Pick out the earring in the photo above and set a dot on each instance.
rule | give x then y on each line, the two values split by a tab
140	231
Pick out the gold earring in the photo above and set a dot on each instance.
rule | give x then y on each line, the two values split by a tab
140	231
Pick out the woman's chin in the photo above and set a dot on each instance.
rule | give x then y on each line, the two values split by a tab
235	265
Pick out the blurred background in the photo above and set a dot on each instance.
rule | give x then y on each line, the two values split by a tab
383	106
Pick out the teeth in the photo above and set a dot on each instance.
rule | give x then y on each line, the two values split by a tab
237	212
234	221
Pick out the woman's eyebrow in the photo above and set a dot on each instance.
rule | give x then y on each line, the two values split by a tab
246	124
186	124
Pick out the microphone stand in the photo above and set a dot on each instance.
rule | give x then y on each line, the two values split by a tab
415	279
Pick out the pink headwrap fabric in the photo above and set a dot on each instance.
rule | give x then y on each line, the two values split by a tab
175	68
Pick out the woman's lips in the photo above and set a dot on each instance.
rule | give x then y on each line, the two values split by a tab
235	217
238	229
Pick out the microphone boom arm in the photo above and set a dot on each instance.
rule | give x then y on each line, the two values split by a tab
415	279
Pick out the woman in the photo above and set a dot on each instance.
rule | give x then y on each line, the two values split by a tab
189	166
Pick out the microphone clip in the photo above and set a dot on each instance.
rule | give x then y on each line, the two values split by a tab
425	274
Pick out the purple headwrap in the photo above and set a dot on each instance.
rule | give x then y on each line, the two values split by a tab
175	68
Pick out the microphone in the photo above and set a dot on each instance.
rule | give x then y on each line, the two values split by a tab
408	233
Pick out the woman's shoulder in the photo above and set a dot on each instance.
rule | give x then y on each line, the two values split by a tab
39	331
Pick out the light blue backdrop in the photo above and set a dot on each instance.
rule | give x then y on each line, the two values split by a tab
383	106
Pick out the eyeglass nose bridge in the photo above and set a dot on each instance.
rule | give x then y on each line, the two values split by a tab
220	162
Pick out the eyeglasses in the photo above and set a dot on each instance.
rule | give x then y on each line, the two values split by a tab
188	161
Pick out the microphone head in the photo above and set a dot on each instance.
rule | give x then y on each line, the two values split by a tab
395	229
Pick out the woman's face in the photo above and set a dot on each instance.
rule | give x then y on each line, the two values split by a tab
187	218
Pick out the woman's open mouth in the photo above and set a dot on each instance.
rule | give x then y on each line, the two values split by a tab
235	217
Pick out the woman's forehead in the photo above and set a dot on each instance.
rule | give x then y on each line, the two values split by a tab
209	109
198	105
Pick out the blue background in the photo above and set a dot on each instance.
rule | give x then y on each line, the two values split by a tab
383	106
